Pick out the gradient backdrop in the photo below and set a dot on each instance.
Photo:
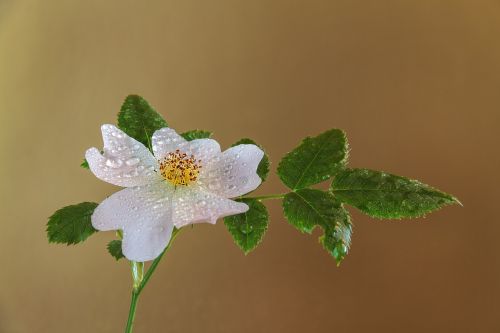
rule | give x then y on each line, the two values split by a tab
414	83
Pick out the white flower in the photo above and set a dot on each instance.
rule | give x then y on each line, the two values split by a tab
183	183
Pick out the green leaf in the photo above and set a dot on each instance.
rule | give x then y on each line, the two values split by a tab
248	228
337	240
85	164
196	134
307	208
139	120
383	195
115	249
71	224
263	168
315	160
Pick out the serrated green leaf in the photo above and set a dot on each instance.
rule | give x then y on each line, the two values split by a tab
315	160
263	168
115	249
85	164
248	228
383	195
139	120
307	208
337	240
196	134
71	224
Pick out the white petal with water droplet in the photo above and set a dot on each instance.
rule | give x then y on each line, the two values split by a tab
192	204
236	173
206	150
164	141
144	214
125	161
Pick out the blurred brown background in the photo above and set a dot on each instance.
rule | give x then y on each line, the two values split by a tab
414	83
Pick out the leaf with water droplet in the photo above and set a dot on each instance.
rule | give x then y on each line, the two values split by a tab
307	208
383	195
115	249
263	168
315	160
139	120
248	228
196	134
71	224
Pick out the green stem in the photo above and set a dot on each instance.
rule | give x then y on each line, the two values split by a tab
137	273
131	313
140	280
267	197
155	263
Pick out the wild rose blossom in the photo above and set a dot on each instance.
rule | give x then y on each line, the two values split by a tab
181	183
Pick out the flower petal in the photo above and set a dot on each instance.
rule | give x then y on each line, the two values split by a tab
164	141
236	173
146	244
206	150
125	161
144	214
192	204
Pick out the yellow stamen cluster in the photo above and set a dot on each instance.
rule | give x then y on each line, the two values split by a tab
179	168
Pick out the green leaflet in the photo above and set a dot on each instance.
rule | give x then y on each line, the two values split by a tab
139	120
307	208
248	228
71	224
383	195
85	164
337	240
196	134
315	160
115	249
263	168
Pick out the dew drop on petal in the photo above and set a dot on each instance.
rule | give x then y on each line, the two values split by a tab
132	161
114	163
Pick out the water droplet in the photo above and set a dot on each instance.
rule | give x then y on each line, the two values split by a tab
246	228
117	135
201	203
132	161
114	163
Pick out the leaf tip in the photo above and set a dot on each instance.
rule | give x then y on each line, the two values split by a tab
85	164
456	201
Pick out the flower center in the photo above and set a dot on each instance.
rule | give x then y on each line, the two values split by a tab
179	168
